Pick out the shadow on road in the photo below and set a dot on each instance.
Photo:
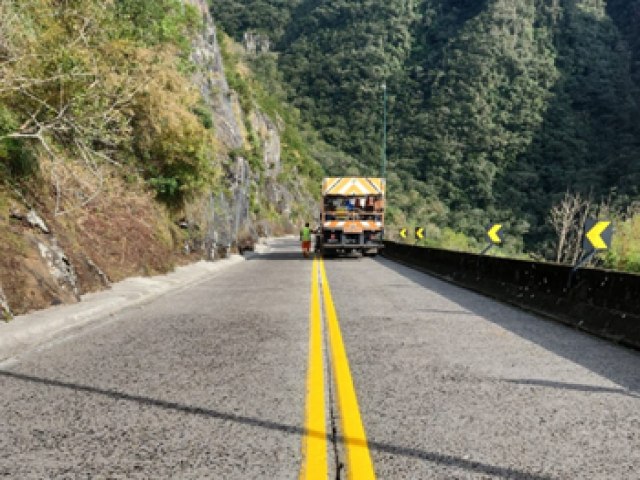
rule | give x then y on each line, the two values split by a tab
434	457
617	363
297	255
279	256
571	386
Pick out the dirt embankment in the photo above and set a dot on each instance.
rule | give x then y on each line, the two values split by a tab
48	258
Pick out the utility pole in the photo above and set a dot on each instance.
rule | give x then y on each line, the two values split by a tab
384	130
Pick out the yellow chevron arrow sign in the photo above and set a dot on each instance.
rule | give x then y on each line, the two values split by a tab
419	233
598	235
403	233
494	233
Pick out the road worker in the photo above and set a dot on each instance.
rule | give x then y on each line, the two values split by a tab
305	238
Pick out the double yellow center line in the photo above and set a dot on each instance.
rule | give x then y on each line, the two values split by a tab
314	445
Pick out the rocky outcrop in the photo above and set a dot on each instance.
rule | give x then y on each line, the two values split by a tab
102	276
36	221
273	191
269	132
5	310
31	218
55	271
255	43
60	266
231	221
210	78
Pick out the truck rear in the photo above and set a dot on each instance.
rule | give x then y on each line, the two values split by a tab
352	215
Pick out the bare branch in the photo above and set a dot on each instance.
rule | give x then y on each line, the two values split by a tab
568	218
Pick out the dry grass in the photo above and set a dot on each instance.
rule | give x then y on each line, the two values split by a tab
122	232
24	277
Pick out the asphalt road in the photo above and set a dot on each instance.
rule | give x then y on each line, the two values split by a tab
213	381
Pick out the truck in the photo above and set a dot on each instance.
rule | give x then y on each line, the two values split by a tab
351	216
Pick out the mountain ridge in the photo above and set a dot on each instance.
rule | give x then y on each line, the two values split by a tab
496	108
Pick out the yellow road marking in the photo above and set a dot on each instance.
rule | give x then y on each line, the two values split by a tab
359	464
314	442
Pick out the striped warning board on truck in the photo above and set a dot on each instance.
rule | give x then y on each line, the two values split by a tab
353	186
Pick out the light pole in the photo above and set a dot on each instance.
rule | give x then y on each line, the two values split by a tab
384	130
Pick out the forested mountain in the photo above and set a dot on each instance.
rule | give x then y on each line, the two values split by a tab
496	107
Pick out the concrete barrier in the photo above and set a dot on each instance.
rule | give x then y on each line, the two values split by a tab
601	302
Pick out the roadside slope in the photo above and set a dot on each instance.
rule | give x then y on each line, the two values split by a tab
186	164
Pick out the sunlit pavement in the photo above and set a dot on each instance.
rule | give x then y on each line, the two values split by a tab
213	381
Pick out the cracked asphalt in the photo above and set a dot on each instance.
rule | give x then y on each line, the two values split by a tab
209	382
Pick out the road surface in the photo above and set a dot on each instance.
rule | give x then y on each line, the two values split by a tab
273	370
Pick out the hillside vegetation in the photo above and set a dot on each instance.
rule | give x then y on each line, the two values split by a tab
92	83
497	108
112	157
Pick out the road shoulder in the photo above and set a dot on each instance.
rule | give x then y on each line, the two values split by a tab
26	332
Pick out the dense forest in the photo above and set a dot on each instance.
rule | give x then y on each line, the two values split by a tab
497	108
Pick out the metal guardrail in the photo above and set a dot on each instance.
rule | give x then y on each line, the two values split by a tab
601	302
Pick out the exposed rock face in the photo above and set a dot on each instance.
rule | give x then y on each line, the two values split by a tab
31	218
35	221
231	219
213	84
273	191
269	132
60	266
5	311
256	43
104	278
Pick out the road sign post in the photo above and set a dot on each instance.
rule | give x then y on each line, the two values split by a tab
598	237
494	237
